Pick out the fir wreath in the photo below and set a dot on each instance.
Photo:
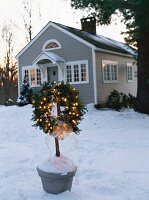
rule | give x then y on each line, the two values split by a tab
70	109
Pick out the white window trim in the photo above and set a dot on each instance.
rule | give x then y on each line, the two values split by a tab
29	68
78	63
49	41
130	65
110	62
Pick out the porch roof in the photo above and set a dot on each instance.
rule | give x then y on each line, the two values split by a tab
46	57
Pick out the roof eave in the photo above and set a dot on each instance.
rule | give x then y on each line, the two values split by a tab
114	52
60	28
42	30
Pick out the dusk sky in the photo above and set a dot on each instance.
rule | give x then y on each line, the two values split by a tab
49	10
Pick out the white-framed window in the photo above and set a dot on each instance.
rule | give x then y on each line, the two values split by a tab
77	72
51	45
26	74
32	77
69	73
33	74
110	71
38	74
129	72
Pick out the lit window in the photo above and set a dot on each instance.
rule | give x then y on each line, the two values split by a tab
77	72
38	74
110	71
51	45
33	75
129	72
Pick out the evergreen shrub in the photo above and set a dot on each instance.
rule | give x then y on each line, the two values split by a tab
26	94
118	100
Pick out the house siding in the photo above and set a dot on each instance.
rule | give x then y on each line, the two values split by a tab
72	50
104	89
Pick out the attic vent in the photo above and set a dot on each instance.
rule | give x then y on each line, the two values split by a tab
50	45
89	24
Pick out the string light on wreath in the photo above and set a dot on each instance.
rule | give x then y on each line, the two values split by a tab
69	108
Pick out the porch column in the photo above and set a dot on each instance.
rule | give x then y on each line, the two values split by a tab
61	74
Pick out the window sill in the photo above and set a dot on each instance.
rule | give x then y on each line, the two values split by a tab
129	81
76	83
110	81
33	86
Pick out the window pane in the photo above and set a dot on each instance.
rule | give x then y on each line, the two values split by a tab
69	73
26	75
105	71
129	71
108	72
32	74
113	72
83	72
38	73
76	73
52	45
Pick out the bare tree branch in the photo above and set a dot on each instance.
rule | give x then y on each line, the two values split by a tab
8	68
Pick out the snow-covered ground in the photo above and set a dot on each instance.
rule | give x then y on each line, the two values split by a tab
111	152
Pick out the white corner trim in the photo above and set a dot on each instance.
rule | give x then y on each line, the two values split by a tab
18	78
57	27
94	76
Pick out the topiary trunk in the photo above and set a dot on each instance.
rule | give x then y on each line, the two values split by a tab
56	140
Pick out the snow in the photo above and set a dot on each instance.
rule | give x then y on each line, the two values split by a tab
111	42
54	57
106	41
111	154
61	165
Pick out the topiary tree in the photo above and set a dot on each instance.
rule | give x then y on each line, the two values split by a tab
64	99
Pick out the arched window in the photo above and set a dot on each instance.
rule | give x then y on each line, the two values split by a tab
50	45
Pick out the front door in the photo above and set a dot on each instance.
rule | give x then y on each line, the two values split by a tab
52	74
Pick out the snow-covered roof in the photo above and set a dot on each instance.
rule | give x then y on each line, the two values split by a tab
92	40
54	58
101	41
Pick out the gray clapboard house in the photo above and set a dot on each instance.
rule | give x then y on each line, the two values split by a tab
92	63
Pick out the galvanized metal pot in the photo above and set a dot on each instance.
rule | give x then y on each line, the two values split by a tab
56	183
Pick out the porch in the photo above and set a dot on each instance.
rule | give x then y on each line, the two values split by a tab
51	65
